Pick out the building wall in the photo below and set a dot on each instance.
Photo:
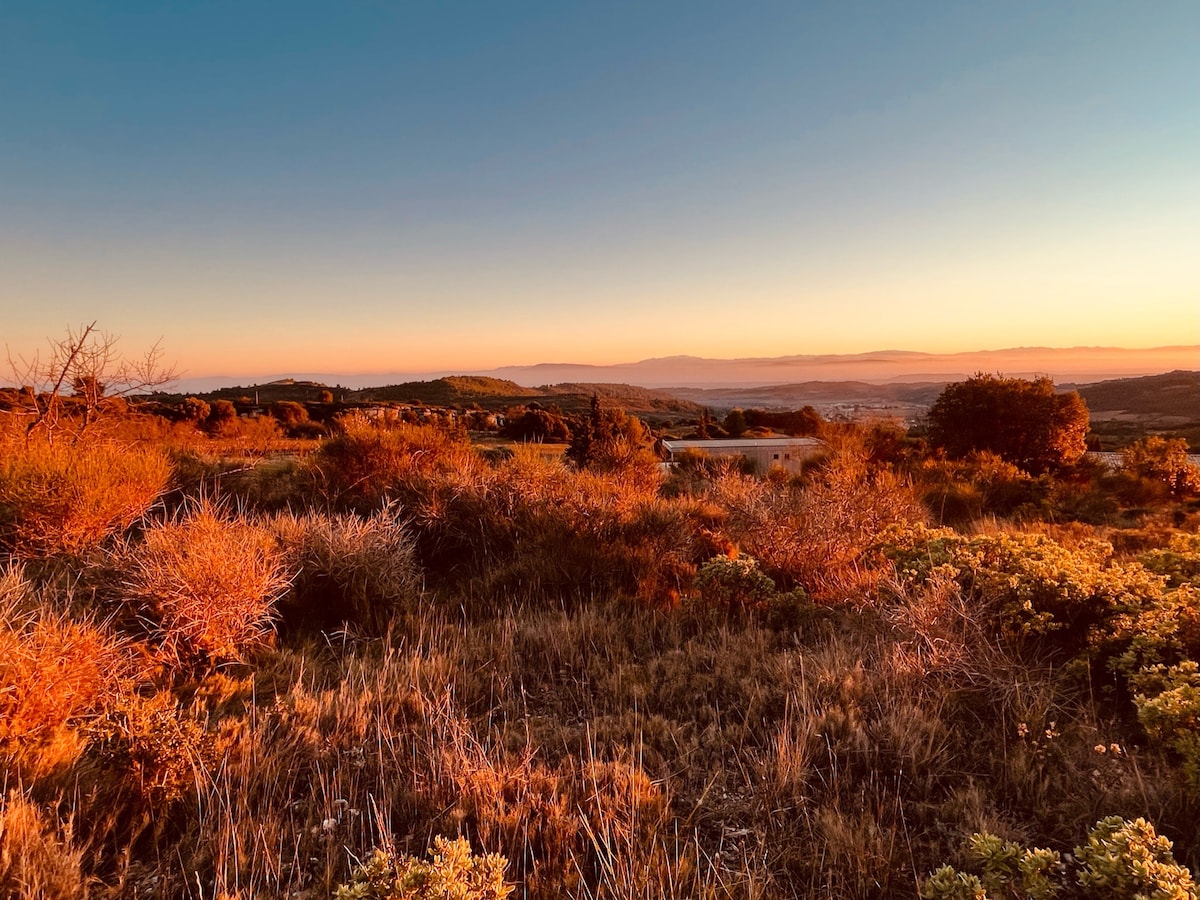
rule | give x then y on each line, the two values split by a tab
789	457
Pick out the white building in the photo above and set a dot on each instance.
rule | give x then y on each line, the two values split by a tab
766	453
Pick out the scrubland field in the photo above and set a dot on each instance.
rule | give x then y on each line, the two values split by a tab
231	674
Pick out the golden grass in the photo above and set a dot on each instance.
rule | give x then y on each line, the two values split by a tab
64	499
210	581
490	650
36	859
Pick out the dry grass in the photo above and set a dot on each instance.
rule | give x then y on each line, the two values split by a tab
509	666
36	859
65	499
210	581
351	569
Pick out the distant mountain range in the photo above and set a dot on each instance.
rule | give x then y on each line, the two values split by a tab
1075	364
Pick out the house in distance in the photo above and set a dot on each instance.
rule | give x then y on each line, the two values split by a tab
788	453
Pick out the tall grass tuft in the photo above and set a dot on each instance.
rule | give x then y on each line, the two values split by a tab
351	569
210	581
36	858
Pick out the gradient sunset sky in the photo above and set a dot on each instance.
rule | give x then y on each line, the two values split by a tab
378	186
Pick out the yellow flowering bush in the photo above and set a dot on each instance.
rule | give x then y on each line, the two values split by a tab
1034	586
1168	706
454	873
1120	860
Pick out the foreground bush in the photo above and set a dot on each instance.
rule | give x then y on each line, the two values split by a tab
817	535
54	671
209	581
1119	861
366	465
525	523
1034	589
65	498
453	874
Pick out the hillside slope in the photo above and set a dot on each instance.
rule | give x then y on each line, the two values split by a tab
1172	394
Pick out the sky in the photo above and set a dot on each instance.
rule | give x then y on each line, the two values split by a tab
360	186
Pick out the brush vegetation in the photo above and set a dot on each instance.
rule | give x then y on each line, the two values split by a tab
391	665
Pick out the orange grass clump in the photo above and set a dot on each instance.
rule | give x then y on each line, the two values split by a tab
67	498
210	581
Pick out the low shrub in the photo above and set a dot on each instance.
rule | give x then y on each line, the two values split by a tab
452	872
152	746
67	498
1178	562
55	672
817	535
366	465
1168	708
1036	590
210	582
1119	861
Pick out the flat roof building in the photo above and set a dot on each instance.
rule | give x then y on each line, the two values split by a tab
765	453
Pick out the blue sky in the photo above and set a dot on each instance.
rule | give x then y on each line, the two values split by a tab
362	186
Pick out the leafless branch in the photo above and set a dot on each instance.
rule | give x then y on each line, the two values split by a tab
88	363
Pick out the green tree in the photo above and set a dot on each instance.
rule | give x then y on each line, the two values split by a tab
1026	423
610	439
735	423
1162	460
537	424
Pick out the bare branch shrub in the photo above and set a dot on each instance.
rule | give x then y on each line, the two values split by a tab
87	362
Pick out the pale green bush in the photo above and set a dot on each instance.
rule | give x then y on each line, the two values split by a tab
453	874
1168	706
1130	861
734	583
1178	562
1035	588
1119	861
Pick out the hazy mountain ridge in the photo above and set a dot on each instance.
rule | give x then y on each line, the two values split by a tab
1082	365
1075	364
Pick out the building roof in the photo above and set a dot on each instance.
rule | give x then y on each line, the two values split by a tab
742	443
